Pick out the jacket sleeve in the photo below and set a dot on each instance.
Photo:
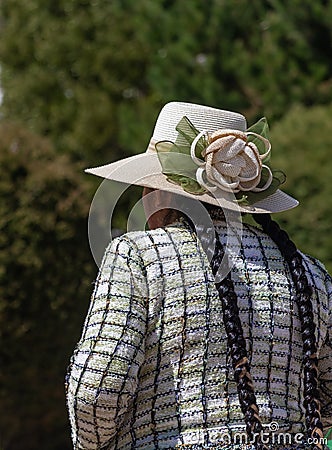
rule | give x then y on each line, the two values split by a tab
103	373
325	367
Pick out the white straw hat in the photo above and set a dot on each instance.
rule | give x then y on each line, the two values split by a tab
145	169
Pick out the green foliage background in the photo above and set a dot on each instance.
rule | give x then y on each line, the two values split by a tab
83	82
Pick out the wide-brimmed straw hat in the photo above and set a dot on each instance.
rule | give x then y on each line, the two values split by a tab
207	154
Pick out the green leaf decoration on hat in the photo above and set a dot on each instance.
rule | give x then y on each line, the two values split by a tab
187	184
249	198
187	133
179	167
175	158
262	128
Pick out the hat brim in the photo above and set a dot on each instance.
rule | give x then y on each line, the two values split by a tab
145	170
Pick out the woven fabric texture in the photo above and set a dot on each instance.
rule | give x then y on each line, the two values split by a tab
202	117
152	368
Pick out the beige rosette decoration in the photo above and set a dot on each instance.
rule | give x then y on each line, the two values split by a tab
231	162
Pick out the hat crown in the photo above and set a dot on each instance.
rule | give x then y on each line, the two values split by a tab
202	117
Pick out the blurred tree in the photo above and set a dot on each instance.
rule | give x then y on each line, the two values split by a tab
68	66
301	147
45	280
251	57
91	74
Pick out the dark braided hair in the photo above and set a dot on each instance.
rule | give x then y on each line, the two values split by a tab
237	345
235	338
303	300
234	330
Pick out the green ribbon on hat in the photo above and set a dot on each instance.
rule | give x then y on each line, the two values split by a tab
182	170
179	167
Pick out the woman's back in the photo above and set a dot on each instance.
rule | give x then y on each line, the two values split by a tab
153	368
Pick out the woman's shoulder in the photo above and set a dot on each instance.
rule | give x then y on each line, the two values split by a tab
318	273
315	269
176	230
255	238
140	241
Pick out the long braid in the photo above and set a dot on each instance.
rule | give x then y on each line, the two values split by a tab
303	299
235	339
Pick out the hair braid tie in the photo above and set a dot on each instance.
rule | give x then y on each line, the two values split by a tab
303	300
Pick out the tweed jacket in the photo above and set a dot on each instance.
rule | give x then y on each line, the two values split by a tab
152	369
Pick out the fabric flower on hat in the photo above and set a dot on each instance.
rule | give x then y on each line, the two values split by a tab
232	163
227	159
